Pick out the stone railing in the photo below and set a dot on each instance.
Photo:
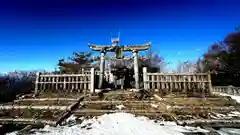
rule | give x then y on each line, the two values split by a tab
231	90
177	81
83	81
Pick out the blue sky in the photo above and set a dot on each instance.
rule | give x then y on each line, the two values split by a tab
36	34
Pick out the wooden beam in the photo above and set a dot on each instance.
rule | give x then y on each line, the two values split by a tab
114	111
26	121
72	82
47	107
212	123
46	99
229	108
24	130
166	74
125	92
124	58
118	102
101	47
110	48
68	113
139	47
158	98
63	75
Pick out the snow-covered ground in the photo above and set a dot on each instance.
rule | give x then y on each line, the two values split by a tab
237	98
229	131
128	124
118	124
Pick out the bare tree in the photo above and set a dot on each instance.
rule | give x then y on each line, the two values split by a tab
186	66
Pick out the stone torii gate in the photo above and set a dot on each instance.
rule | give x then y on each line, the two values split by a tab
119	55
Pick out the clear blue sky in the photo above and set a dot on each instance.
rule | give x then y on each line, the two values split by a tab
34	34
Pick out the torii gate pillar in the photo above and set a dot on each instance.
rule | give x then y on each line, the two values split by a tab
136	69
102	66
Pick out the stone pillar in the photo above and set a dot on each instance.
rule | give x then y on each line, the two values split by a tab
136	68
145	78
209	83
92	89
36	84
102	65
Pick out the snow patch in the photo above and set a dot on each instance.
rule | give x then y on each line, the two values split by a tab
118	124
234	114
229	131
237	98
120	107
154	105
71	118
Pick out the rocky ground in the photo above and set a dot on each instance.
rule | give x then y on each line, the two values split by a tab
205	112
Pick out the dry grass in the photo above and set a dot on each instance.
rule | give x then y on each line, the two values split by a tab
162	107
113	106
60	94
183	94
118	95
34	103
221	101
30	113
190	108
